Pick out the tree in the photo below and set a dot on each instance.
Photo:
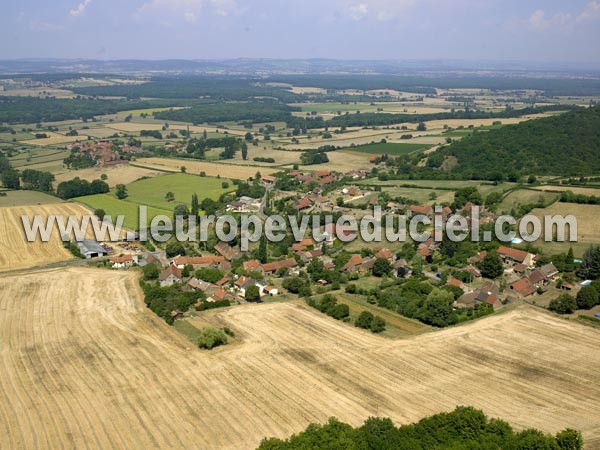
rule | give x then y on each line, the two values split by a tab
421	126
491	266
10	179
248	136
590	264
340	311
169	196
252	293
569	439
180	210
364	320
209	274
437	308
377	324
100	213
195	206
382	267
211	337
174	248
587	297
150	271
564	304
262	253
244	148
120	191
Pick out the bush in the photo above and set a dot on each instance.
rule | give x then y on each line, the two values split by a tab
587	297
377	324
211	337
364	320
150	271
564	304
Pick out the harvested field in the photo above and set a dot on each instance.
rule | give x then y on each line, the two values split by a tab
120	174
133	127
16	252
85	365
211	169
53	138
579	190
588	226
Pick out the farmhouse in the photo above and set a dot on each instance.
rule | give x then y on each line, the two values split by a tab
270	268
169	276
198	261
514	256
121	262
523	287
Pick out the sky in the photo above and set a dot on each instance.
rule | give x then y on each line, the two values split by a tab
496	30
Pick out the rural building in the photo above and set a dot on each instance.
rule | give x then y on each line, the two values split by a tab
122	262
170	276
514	256
89	248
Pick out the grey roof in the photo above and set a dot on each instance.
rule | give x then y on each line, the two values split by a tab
91	246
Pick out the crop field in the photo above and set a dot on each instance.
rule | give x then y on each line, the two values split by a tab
579	190
16	252
588	226
340	161
84	364
120	174
25	198
114	207
134	127
393	149
451	185
52	139
233	171
36	157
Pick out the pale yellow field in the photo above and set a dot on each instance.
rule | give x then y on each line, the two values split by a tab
121	174
85	365
132	127
39	92
53	138
342	161
574	189
588	226
211	169
16	252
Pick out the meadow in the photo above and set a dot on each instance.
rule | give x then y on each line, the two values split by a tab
388	148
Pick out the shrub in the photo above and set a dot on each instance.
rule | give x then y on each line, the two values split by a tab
211	337
564	304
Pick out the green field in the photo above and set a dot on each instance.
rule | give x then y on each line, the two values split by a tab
152	191
113	207
24	198
390	148
37	156
521	197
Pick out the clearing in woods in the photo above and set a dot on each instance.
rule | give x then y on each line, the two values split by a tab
84	364
16	252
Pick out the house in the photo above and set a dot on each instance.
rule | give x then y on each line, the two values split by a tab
169	276
201	285
353	264
537	278
219	295
89	248
270	268
514	256
237	206
424	210
226	251
271	290
253	265
302	245
474	271
268	180
197	261
121	262
523	287
385	253
550	271
333	232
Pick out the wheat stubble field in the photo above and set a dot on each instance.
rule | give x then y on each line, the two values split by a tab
16	253
83	364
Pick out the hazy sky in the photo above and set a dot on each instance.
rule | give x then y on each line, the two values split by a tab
530	30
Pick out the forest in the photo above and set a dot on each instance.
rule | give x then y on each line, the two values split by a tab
566	145
250	112
463	428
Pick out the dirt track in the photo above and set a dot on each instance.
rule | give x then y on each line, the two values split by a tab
84	365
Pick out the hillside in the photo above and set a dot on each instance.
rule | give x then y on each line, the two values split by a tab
567	144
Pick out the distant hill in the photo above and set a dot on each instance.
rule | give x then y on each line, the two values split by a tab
564	145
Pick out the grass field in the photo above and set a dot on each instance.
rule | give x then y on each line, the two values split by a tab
114	207
152	191
524	197
25	198
394	149
38	156
16	252
84	364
